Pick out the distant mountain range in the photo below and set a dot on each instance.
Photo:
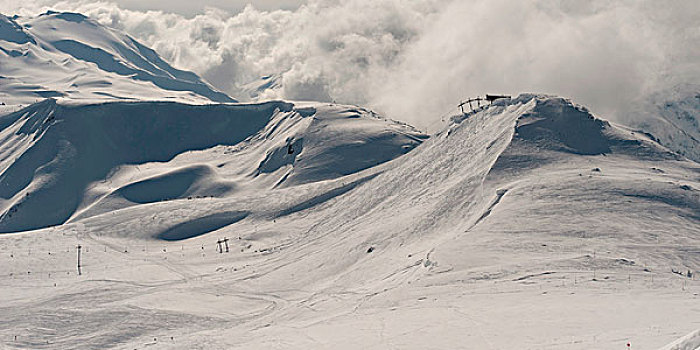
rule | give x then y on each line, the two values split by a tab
69	55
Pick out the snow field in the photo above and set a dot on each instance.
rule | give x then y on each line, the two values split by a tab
507	230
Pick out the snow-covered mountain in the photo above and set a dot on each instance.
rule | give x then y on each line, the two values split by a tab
69	55
262	88
673	116
74	160
528	224
529	206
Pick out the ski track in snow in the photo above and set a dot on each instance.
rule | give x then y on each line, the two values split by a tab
529	224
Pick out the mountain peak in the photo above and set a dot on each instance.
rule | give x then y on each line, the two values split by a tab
552	128
84	60
66	16
11	31
560	124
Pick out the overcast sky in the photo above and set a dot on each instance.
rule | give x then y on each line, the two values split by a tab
414	60
190	8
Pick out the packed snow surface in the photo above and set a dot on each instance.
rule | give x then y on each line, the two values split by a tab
689	342
61	54
530	224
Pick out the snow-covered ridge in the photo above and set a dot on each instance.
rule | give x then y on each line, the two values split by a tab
102	157
69	55
484	176
557	124
674	118
59	159
13	32
530	204
690	341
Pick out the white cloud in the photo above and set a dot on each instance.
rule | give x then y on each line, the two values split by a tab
415	59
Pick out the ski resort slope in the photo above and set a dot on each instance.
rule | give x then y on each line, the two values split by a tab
64	161
530	224
689	342
62	54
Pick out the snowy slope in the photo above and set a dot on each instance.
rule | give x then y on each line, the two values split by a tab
673	117
60	158
454	184
531	224
690	341
69	55
262	88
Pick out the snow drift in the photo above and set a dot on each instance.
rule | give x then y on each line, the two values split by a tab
58	159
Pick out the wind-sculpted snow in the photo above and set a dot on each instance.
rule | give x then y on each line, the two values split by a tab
69	55
61	160
459	180
176	184
564	127
529	206
555	125
13	32
201	225
690	341
333	142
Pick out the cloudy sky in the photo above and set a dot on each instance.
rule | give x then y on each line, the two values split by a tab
415	59
192	8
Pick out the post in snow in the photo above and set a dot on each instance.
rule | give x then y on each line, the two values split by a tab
79	271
